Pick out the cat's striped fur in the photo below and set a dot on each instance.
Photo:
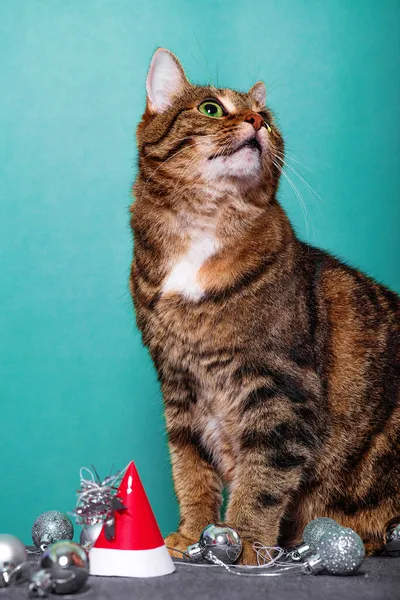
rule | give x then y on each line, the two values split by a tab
278	363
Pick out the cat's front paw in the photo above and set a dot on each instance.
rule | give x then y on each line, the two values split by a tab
177	543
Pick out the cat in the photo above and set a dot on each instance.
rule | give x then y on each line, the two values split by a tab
278	363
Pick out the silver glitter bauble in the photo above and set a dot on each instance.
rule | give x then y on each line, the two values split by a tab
12	555
222	541
89	534
50	527
65	569
316	528
392	537
339	553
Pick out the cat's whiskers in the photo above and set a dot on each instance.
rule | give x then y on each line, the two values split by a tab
299	197
205	60
289	157
295	190
315	195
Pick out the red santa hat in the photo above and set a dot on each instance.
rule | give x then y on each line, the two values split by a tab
137	548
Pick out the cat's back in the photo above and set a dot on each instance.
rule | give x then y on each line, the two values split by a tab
357	340
351	299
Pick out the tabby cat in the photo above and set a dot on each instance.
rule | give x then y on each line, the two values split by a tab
278	363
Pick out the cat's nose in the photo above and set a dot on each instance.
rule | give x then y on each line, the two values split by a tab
254	119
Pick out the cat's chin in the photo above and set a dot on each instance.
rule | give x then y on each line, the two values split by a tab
245	164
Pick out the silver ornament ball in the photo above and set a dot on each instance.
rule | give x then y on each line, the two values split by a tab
316	528
342	552
222	541
50	527
392	537
89	534
12	555
67	565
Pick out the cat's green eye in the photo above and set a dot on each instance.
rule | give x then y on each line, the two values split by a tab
211	108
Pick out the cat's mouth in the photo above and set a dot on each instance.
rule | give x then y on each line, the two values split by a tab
251	143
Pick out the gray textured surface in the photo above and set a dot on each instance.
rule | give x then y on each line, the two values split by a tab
378	579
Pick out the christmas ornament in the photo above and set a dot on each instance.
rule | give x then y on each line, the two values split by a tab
339	552
221	541
97	501
12	556
65	570
89	535
313	532
315	529
392	537
137	548
51	526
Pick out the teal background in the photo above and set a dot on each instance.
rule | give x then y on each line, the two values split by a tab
76	385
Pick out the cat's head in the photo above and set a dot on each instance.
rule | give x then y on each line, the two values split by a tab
206	134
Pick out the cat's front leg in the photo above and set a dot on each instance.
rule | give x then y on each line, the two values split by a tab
259	497
197	485
270	468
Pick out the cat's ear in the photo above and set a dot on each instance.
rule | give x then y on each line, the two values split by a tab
258	93
165	79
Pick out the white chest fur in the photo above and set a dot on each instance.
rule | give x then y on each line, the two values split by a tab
183	276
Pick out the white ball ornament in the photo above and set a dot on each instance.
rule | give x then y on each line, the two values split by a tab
12	556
